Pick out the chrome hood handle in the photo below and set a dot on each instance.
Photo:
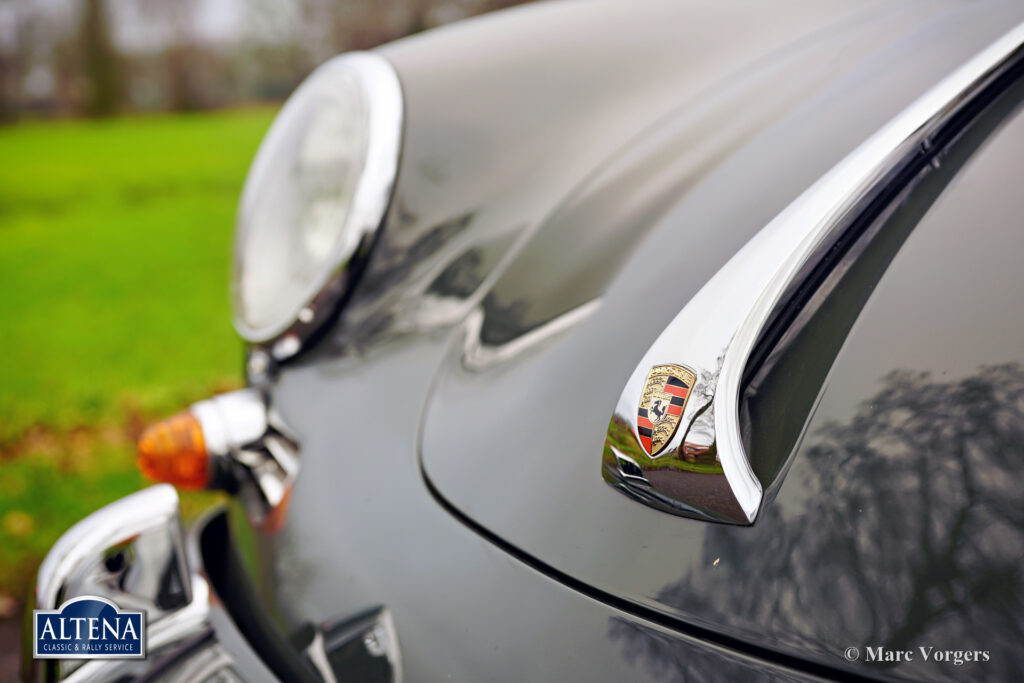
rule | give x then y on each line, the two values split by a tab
676	441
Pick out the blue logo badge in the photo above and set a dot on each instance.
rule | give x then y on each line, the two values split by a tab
88	628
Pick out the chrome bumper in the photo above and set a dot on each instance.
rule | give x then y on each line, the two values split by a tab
135	553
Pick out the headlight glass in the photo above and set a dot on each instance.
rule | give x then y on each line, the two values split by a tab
316	193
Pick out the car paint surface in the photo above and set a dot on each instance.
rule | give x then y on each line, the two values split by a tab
533	183
364	532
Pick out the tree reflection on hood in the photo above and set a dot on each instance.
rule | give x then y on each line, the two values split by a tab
909	532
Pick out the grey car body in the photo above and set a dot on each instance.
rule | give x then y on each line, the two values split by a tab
571	175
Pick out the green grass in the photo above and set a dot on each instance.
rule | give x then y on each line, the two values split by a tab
114	263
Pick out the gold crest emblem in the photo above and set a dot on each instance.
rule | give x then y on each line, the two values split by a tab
662	403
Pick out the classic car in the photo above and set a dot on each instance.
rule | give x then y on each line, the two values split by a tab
643	340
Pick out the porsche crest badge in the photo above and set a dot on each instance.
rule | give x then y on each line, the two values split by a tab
661	405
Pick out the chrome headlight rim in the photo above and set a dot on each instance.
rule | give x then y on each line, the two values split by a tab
381	90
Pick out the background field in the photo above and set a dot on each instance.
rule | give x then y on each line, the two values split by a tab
114	262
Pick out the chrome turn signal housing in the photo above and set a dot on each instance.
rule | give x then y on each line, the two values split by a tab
231	442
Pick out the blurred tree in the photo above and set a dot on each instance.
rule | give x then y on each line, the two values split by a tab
102	70
12	56
6	77
98	57
181	54
180	57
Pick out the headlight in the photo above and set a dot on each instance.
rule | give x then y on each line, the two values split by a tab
314	198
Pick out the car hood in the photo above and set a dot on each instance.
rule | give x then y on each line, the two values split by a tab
572	174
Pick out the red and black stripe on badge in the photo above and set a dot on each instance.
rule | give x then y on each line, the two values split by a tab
678	389
644	428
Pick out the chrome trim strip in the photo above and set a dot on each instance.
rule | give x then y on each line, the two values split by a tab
370	202
720	327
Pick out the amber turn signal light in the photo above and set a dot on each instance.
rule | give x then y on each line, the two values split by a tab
174	451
